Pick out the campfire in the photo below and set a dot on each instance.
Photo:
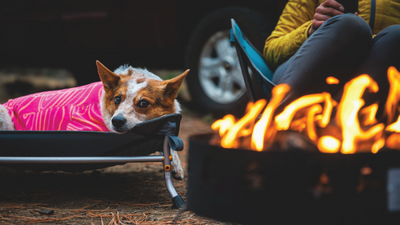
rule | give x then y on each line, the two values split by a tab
348	126
273	164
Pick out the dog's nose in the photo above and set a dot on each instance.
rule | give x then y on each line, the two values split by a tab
118	121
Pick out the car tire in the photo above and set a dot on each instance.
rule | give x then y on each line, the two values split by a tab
215	81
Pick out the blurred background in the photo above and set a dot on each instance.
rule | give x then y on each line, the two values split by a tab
47	44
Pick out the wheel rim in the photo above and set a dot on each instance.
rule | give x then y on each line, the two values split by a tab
219	70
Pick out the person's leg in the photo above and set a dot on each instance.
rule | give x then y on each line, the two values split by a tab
335	49
384	52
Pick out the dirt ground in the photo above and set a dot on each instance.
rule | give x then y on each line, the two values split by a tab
133	193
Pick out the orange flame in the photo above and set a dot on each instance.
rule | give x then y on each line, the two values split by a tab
394	127
332	80
328	144
224	124
347	113
311	114
369	114
229	140
259	133
311	130
283	120
394	93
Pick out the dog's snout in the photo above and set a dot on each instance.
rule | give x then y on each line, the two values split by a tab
118	121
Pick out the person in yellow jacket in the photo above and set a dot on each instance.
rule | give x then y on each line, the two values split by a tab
315	39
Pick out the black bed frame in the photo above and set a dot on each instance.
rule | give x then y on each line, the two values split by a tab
81	150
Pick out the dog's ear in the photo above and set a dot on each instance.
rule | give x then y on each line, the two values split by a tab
110	80
172	85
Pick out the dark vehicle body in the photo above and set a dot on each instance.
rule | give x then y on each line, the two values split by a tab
73	34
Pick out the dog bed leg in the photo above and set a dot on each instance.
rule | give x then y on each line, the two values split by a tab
177	200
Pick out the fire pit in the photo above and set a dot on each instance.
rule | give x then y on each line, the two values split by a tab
304	164
252	187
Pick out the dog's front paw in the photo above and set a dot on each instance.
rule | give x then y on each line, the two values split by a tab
178	173
177	170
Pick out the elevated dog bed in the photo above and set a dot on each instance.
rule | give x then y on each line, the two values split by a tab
84	150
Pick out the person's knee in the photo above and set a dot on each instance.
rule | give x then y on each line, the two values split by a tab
393	32
388	42
393	29
351	27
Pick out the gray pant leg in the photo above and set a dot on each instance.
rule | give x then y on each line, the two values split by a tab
335	49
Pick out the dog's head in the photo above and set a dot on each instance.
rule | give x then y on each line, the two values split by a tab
135	95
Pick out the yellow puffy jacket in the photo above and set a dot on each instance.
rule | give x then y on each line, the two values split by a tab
292	28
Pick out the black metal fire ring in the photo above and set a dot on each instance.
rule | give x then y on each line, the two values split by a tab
251	187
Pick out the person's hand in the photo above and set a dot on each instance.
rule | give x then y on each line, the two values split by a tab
323	12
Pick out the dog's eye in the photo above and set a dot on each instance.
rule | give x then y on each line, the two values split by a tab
117	100
143	104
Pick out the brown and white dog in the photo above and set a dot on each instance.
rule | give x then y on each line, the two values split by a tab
121	100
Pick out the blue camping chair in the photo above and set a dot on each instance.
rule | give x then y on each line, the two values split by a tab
258	84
